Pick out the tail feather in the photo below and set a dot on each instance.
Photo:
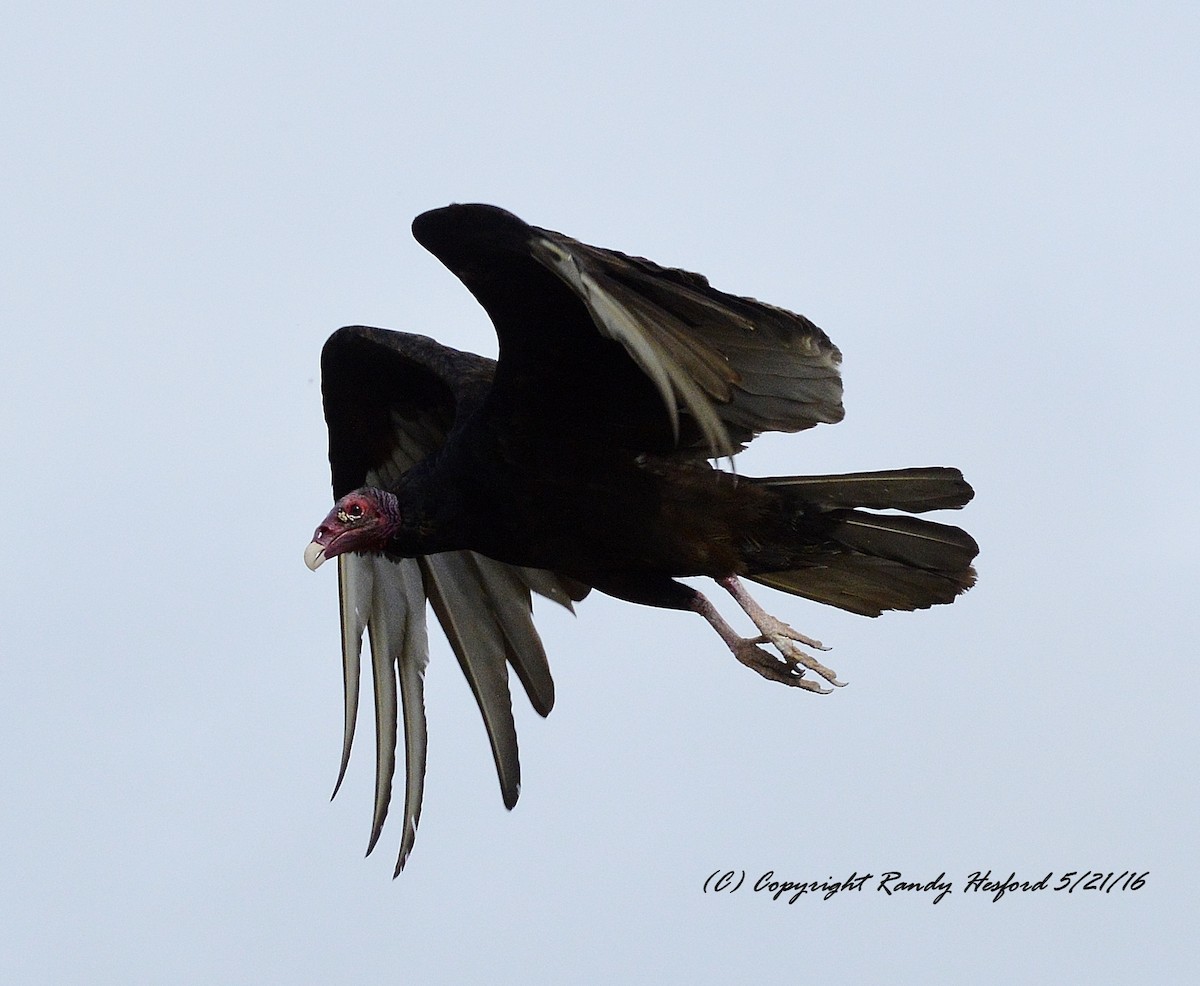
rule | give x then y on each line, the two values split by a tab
869	586
909	540
866	562
911	490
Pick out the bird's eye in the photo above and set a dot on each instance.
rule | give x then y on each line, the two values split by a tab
350	513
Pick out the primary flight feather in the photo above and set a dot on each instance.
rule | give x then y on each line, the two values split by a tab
580	460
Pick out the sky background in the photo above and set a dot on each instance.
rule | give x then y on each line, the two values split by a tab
992	208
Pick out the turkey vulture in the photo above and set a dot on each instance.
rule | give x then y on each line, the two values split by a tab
580	460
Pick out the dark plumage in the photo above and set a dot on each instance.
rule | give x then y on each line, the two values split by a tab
579	460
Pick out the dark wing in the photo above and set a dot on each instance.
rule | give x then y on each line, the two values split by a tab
598	342
390	400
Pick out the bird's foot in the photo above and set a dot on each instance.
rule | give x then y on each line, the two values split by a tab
788	666
793	657
779	635
786	669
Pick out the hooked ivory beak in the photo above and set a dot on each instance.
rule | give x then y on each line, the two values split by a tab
314	555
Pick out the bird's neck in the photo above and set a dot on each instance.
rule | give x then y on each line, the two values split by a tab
427	509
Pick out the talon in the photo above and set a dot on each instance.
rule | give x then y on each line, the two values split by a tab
794	653
784	671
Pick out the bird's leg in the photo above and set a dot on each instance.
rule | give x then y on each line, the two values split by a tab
789	669
767	623
777	633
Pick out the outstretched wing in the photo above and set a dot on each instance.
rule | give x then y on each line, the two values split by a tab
599	342
390	400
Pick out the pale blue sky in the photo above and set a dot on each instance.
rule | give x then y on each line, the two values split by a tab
990	207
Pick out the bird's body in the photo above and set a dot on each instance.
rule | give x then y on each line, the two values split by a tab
582	459
578	509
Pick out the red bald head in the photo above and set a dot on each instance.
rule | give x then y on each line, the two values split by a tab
362	521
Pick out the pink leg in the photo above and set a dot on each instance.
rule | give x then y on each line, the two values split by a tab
771	626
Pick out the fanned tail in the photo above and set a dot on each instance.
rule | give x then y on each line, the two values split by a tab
866	562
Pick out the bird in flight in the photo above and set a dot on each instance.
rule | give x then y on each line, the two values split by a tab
583	459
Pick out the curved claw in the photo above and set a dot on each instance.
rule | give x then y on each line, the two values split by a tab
792	654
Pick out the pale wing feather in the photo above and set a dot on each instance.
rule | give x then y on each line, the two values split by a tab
508	590
484	607
767	368
463	606
727	362
615	318
355	586
399	655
